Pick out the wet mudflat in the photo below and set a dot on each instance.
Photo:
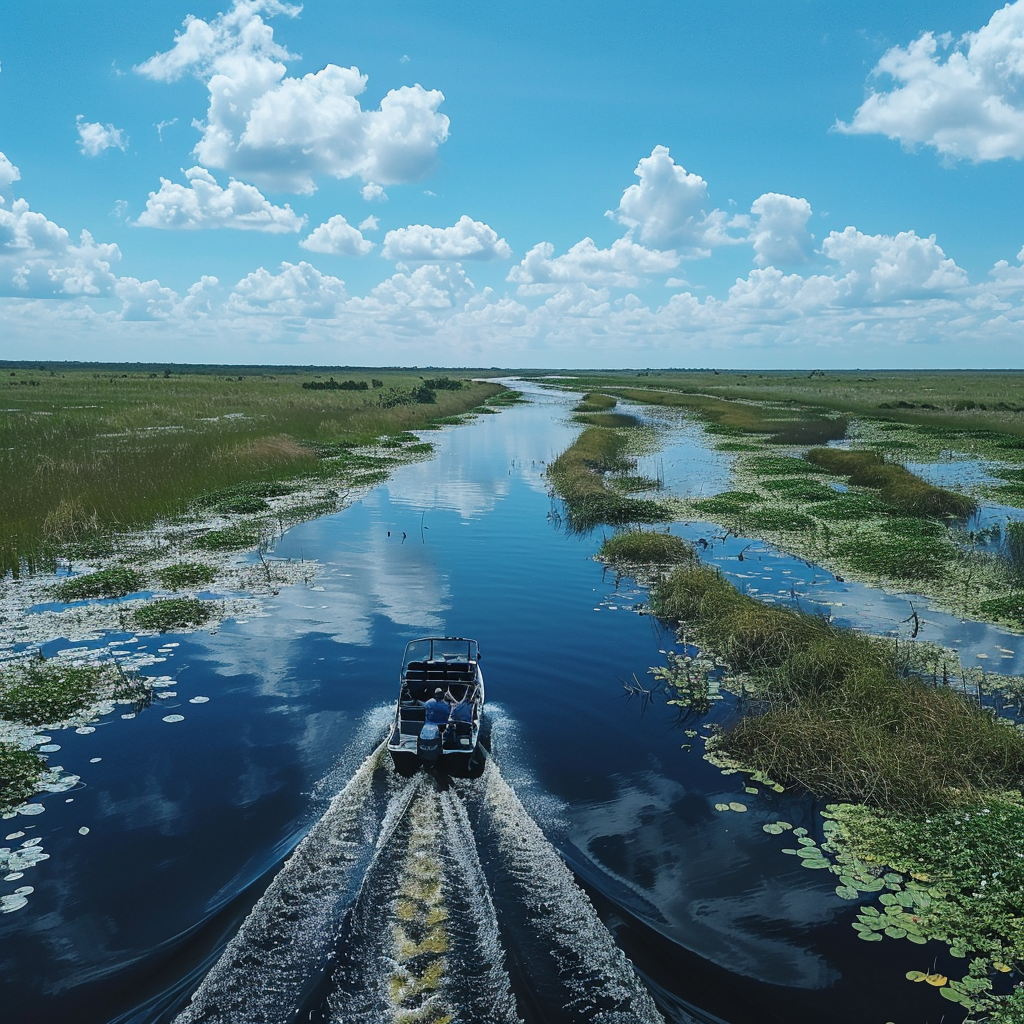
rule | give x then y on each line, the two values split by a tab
192	807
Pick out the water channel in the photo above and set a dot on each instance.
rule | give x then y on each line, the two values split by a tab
164	874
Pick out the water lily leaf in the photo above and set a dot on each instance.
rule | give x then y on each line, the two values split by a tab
952	995
773	829
887	899
892	878
810	862
721	807
938	980
958	951
906	899
895	933
916	975
793	852
750	789
917	938
1001	967
870	912
735	805
778	787
799	831
875	885
871	936
805	841
847	892
784	824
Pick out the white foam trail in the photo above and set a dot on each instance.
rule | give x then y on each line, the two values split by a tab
599	981
472	984
479	985
260	977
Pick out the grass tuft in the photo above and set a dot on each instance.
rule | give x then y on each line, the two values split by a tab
645	547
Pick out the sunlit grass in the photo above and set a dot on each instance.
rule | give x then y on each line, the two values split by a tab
840	715
86	454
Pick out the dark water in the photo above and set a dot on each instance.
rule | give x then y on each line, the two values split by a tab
189	822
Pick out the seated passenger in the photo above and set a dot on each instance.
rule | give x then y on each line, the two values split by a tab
463	711
437	708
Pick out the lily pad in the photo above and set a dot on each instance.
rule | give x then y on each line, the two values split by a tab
895	933
847	892
916	975
871	936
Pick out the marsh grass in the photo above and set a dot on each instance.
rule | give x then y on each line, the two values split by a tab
957	403
841	715
20	772
238	536
173	613
578	475
896	486
594	402
115	581
634	484
613	420
87	454
645	547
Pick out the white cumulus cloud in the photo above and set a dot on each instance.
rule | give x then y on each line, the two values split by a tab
202	203
966	99
297	290
430	287
369	223
94	138
281	131
622	265
38	258
337	237
468	239
780	233
892	268
373	193
9	174
668	207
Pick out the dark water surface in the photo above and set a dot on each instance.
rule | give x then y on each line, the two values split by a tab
189	822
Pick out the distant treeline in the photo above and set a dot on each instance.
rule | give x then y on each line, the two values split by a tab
345	385
430	383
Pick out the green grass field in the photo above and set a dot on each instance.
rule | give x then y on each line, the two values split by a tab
87	452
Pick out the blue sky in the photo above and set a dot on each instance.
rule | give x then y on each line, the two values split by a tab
513	184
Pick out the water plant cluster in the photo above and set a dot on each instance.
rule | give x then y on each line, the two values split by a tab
36	692
86	456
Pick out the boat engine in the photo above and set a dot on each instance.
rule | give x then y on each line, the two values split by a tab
429	744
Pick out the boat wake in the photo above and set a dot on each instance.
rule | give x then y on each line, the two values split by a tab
422	900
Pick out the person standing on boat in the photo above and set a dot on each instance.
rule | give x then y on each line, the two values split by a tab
438	708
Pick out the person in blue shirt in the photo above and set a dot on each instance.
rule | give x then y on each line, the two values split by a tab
438	708
463	711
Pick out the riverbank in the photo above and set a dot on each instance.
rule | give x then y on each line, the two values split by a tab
932	816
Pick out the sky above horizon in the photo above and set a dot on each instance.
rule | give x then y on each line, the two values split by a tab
666	184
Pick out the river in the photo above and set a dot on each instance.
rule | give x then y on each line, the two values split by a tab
165	863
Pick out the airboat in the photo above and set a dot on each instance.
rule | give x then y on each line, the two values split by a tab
440	702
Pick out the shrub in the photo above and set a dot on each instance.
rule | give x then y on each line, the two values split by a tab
113	582
173	613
